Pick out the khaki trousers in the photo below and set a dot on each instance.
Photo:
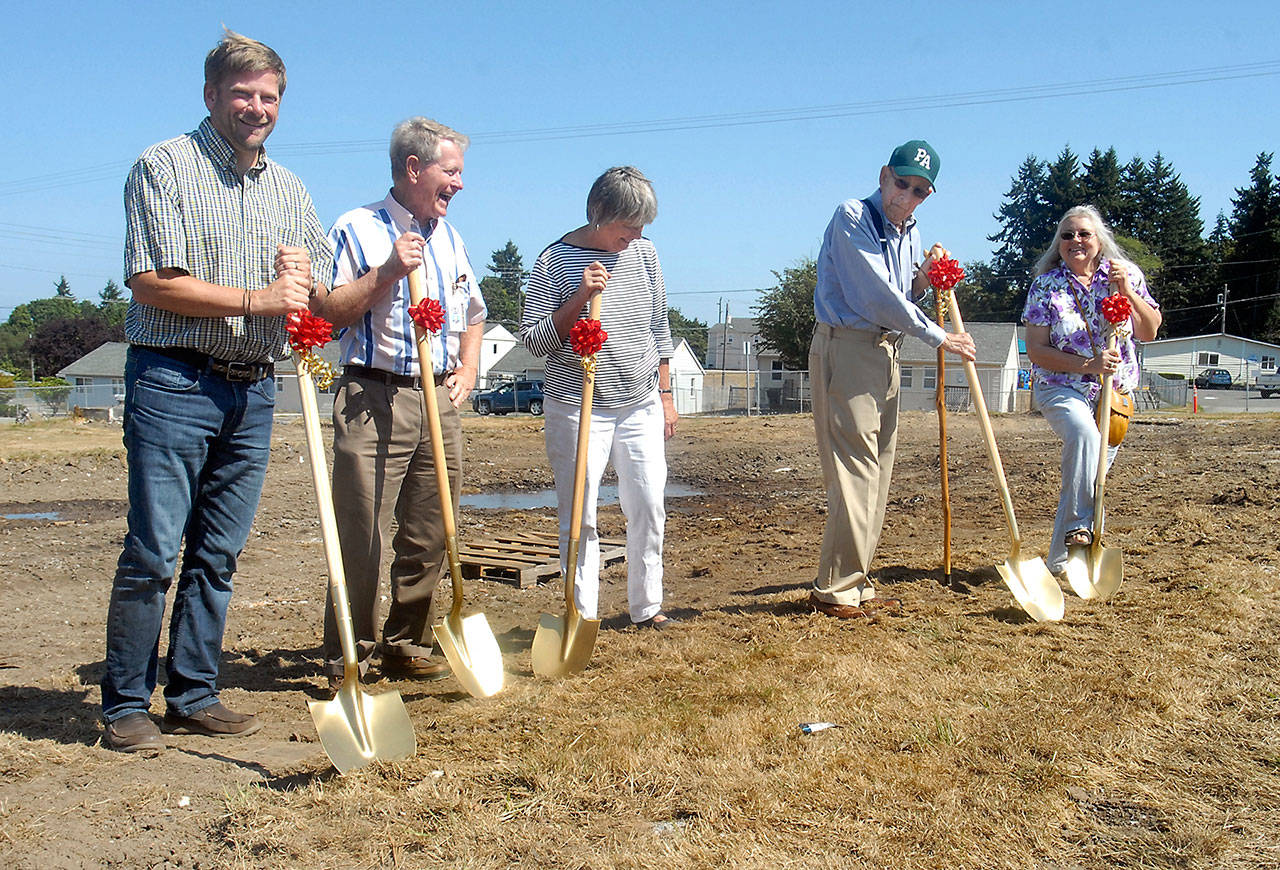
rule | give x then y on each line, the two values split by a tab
383	468
855	417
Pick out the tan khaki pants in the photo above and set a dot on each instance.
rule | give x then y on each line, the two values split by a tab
855	416
383	468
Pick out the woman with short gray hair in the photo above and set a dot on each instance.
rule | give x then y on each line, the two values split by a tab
633	410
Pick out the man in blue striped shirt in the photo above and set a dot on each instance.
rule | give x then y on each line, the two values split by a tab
382	459
221	243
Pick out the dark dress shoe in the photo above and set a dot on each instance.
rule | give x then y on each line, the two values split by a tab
134	732
213	721
414	668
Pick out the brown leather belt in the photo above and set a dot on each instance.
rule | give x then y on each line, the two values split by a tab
391	379
246	372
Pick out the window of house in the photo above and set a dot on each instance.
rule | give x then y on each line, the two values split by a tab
1204	358
777	370
904	380
279	384
1268	363
930	379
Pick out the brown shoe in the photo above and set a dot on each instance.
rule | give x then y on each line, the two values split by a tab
841	611
213	721
414	668
134	732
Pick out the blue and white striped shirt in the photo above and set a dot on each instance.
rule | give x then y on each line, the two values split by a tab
188	207
633	313
383	338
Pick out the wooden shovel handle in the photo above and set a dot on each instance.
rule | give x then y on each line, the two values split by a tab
580	466
980	402
431	406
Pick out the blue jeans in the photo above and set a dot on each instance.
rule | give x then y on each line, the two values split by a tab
1071	416
197	447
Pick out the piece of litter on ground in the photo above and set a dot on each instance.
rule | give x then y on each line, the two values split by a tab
184	801
783	469
810	727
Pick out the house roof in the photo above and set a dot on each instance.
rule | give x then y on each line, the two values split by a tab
104	361
1193	338
992	340
518	361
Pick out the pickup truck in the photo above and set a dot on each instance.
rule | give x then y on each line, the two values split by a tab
1268	384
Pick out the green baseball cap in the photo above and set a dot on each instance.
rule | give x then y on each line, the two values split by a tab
916	157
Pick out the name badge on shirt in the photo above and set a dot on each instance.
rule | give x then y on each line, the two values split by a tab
459	296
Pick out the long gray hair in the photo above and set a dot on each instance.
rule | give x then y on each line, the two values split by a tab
1107	242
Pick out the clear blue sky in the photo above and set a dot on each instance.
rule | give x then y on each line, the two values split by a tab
767	115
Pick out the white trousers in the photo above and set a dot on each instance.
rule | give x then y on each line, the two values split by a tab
632	439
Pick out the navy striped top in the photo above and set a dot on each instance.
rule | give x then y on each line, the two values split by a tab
633	313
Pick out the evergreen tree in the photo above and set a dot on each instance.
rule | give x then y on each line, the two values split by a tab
63	288
1252	272
1130	217
502	290
1175	235
1100	184
111	292
1062	190
1025	226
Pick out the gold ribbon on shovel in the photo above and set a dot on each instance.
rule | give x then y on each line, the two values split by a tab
562	645
355	728
468	643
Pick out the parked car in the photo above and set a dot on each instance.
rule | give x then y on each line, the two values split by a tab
1214	379
508	397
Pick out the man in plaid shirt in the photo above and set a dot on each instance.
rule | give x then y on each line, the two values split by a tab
221	243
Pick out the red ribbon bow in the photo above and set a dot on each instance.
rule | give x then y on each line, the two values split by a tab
307	330
945	273
428	315
586	338
1116	309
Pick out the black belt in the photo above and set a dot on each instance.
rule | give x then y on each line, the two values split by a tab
389	378
227	369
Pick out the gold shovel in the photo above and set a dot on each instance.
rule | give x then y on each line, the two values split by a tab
562	644
468	644
1099	573
355	728
1029	580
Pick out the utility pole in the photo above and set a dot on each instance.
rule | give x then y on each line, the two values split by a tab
1222	300
724	343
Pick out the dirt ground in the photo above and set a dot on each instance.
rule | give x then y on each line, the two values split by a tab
1177	763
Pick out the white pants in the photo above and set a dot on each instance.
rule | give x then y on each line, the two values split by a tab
632	439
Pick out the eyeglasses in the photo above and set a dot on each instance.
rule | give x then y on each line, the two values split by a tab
919	193
1082	235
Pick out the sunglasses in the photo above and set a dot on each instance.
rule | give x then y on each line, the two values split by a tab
918	192
1082	235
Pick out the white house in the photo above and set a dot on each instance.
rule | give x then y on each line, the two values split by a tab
97	378
1245	358
686	379
997	365
735	344
497	342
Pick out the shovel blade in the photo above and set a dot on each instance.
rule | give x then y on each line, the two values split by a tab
1079	573
1108	571
559	648
1034	588
473	653
356	728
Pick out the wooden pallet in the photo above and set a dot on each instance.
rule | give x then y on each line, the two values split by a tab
525	558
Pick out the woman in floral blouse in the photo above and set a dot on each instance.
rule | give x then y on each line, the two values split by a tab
1067	346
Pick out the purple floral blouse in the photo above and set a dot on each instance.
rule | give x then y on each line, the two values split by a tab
1051	303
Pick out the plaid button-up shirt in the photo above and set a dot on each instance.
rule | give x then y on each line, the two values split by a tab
187	207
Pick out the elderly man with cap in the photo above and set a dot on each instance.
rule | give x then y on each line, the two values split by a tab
871	270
